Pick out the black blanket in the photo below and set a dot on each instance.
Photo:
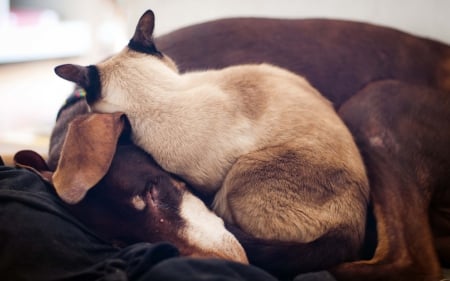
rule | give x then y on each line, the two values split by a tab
41	240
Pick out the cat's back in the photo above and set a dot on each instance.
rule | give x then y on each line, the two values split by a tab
285	108
258	89
277	104
276	98
264	74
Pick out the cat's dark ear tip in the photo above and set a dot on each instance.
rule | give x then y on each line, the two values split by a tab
142	40
59	68
149	13
148	18
74	73
65	70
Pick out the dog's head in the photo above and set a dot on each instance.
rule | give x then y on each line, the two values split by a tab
130	74
121	193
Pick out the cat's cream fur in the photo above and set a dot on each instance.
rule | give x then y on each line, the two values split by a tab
281	163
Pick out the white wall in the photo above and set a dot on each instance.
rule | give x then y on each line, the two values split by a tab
429	18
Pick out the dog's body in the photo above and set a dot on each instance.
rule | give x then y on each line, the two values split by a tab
281	162
340	58
403	132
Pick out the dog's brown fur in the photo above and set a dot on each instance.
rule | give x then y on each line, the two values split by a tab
281	163
340	58
337	57
403	133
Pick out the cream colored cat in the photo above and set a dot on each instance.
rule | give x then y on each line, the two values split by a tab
271	149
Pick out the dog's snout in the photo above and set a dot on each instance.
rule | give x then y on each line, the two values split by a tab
205	233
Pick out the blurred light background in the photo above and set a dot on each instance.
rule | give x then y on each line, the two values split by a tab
37	35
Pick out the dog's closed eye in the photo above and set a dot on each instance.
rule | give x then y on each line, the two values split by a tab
138	203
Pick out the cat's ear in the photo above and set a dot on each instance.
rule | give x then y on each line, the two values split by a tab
74	73
87	77
142	40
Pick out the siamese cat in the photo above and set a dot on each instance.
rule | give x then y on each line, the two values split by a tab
283	168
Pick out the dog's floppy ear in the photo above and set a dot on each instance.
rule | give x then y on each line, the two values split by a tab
86	154
34	162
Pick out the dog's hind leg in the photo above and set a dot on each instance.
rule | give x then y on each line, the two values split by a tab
404	143
405	249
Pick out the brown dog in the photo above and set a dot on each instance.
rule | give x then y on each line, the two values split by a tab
130	199
354	54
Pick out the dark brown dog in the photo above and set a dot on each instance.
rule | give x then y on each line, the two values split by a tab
131	199
340	59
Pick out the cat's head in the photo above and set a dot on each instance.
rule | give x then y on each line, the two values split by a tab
138	69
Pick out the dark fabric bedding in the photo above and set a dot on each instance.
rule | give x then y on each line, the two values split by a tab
41	240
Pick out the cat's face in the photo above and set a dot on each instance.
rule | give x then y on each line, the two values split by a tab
129	75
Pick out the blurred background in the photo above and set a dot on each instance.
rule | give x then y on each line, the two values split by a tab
35	36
